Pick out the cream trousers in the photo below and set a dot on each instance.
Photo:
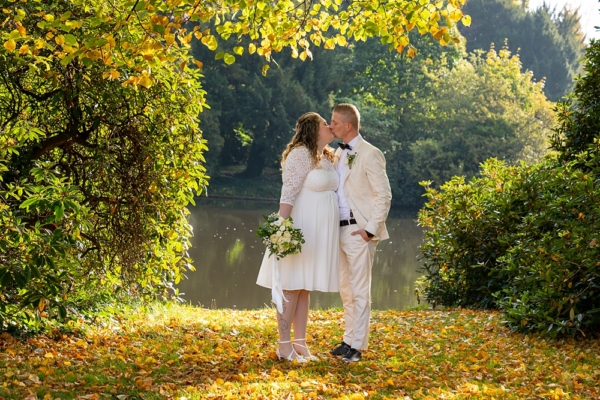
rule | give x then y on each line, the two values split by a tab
356	261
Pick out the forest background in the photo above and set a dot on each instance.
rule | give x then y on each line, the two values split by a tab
437	115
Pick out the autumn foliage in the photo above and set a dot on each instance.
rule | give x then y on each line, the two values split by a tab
180	352
100	148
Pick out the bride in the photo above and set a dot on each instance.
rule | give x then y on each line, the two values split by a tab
308	196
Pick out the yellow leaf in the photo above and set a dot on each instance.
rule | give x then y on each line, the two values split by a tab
24	49
111	40
456	15
39	43
145	80
10	45
239	50
49	355
210	41
251	48
22	30
198	64
42	304
265	68
466	20
60	40
341	40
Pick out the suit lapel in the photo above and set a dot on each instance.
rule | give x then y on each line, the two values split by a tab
356	149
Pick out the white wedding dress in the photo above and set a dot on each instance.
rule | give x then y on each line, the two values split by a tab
311	192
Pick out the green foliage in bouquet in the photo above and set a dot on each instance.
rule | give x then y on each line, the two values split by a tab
280	236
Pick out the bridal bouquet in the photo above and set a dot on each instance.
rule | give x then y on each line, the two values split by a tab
280	236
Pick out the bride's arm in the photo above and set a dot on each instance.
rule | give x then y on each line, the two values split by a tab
285	210
297	166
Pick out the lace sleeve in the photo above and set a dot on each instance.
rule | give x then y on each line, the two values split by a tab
297	165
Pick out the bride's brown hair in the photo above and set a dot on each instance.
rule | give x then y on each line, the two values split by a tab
307	134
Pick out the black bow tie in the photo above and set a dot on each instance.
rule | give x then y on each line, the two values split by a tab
345	146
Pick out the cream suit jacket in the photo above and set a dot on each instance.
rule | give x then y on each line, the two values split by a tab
367	188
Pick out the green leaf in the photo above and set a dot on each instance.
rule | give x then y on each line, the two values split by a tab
229	59
59	211
70	40
62	311
65	61
30	201
219	55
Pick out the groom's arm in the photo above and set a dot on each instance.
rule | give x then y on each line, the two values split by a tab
380	187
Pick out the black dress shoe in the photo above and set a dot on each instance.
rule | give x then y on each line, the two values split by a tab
341	350
352	356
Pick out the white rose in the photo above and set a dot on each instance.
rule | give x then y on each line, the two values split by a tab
294	242
279	233
346	160
282	228
287	235
277	223
273	238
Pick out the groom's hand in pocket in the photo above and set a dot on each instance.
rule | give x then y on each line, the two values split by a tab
363	234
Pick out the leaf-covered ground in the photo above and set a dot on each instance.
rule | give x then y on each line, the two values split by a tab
179	352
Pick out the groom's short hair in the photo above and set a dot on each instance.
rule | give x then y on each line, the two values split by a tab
350	113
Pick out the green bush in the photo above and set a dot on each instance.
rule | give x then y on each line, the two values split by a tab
523	239
467	227
526	239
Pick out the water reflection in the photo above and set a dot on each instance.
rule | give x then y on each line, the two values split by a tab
227	256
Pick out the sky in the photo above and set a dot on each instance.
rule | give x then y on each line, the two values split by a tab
588	9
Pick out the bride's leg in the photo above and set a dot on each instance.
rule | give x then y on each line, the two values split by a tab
300	323
284	321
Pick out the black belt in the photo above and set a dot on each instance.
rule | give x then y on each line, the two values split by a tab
348	222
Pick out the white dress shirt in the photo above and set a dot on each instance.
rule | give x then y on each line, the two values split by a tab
342	170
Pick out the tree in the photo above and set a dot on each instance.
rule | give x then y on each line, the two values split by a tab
257	114
100	149
549	43
579	113
483	107
442	114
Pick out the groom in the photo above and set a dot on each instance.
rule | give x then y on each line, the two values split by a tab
364	197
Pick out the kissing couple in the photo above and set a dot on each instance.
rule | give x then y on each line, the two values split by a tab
340	200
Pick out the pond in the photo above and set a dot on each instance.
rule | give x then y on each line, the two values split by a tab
227	256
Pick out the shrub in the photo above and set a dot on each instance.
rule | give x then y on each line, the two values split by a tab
524	239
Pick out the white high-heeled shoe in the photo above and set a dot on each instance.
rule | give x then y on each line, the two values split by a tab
309	357
298	357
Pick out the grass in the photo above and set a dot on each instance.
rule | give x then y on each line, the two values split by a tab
174	351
